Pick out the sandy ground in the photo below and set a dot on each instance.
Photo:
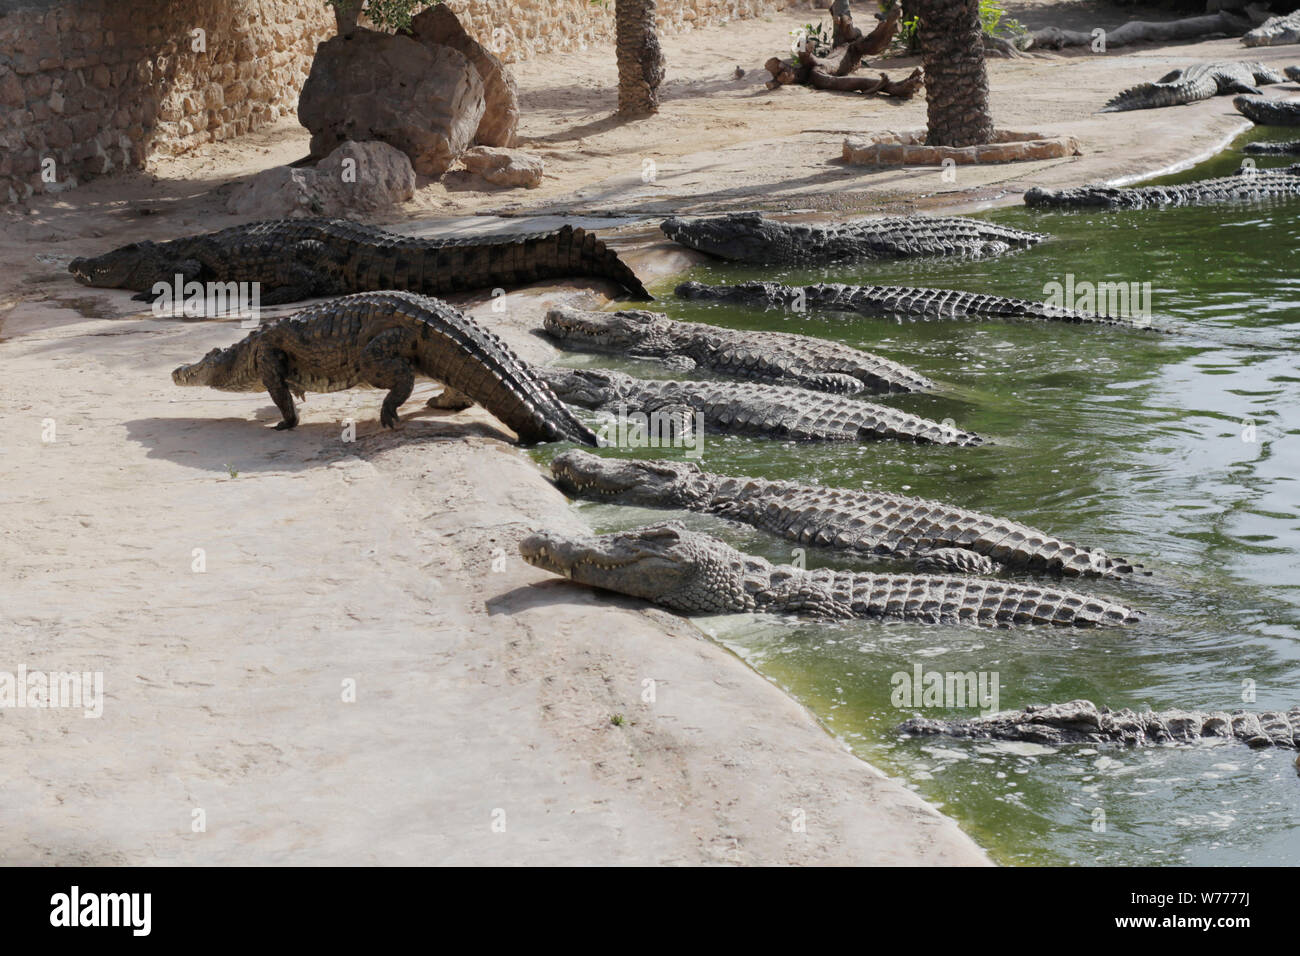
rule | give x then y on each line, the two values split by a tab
480	730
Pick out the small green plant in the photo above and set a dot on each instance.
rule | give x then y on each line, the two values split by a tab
817	33
230	469
385	14
993	19
617	720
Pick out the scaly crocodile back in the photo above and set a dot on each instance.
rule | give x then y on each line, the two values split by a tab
783	412
1257	186
1266	112
944	599
1081	721
894	302
878	522
450	347
1197	82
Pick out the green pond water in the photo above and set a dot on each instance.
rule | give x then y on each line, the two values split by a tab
1113	438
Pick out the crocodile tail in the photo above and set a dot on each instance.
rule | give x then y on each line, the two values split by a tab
592	257
1146	96
463	355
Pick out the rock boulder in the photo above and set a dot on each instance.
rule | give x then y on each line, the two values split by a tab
425	100
504	167
355	178
439	26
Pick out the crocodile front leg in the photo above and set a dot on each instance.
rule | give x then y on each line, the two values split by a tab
274	366
384	364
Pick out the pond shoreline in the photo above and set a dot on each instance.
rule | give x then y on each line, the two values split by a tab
483	684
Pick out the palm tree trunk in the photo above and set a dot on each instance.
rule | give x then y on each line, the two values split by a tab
956	84
640	60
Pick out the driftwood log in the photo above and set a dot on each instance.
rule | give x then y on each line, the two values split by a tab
851	45
1142	31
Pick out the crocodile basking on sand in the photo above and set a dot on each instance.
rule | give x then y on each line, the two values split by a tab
751	237
1252	186
744	408
894	302
386	339
1265	112
864	523
295	259
1275	31
699	574
1082	722
779	358
1197	82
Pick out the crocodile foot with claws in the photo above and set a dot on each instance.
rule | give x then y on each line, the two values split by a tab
776	357
295	259
864	523
1082	722
699	574
751	237
743	408
386	339
1193	83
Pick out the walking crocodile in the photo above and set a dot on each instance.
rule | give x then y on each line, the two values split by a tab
751	237
1197	82
894	302
1275	31
1255	185
744	408
295	259
1289	148
385	339
1083	722
699	574
777	357
1265	112
864	523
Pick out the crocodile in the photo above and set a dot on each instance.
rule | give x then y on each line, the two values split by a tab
1275	31
777	357
745	408
294	259
751	237
863	523
1288	148
1253	186
1197	82
1265	112
699	574
1083	722
895	302
385	339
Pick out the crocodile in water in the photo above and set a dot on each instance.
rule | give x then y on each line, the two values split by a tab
745	408
699	574
1082	722
751	237
778	357
894	302
1253	186
863	523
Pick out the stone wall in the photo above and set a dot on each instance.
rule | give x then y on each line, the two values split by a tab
92	86
88	87
519	29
